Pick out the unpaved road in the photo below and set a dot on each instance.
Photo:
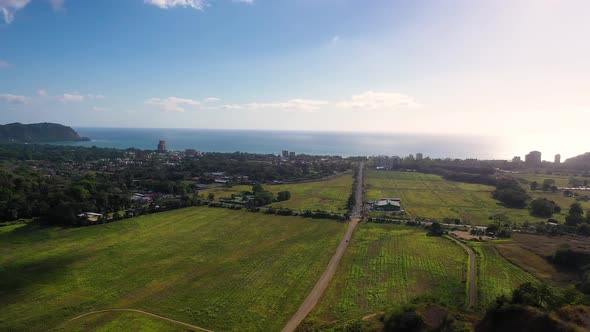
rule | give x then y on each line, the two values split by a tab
472	272
322	284
194	327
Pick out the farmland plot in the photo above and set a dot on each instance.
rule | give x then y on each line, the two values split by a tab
216	268
389	265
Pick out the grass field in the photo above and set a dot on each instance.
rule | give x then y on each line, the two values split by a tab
216	268
431	196
561	180
329	195
389	265
495	275
120	321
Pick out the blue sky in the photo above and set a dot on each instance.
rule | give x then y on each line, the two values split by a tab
512	68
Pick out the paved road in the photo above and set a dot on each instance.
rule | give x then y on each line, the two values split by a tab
472	272
198	328
322	284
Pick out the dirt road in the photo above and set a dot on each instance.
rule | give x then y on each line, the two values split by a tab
194	327
322	284
472	272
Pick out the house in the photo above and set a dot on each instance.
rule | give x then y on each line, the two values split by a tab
89	216
387	204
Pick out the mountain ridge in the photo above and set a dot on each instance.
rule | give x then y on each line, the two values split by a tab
44	132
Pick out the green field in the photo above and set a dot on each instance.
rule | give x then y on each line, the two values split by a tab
120	321
431	196
561	180
329	195
495	275
389	265
216	268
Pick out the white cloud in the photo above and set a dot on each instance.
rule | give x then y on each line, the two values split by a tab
74	97
71	98
42	93
57	4
165	4
368	101
335	39
172	104
9	7
4	64
14	99
245	1
99	109
384	101
91	96
306	105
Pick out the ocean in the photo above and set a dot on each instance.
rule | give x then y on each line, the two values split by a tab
317	143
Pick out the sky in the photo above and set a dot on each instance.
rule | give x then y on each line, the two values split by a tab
517	69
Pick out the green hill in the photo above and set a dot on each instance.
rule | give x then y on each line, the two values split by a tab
38	133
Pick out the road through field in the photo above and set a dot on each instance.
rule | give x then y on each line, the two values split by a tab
198	328
472	272
322	284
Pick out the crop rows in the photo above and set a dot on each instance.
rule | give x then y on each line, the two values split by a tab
389	265
214	268
496	276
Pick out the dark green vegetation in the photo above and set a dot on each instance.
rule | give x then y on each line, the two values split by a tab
56	184
38	133
388	266
536	307
511	194
216	268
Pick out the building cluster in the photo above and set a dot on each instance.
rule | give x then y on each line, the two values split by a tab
288	154
387	162
533	159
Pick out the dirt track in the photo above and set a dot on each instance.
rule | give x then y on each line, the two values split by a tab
198	328
322	284
472	272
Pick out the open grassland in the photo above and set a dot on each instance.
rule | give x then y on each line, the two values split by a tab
431	196
387	266
120	321
328	195
496	276
531	252
561	180
536	265
216	268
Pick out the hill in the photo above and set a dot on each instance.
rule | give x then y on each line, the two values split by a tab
38	133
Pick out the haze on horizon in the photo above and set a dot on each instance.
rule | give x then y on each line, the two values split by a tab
519	70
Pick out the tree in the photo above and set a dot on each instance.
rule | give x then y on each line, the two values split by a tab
257	188
435	229
547	183
283	196
211	197
543	208
575	215
534	185
512	198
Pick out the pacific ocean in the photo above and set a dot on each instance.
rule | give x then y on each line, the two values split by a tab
317	143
